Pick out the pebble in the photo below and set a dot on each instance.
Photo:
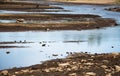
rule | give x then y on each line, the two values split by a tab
104	66
114	54
54	54
52	69
4	73
72	74
88	63
90	74
109	74
105	61
7	52
25	71
43	44
16	72
63	64
83	60
47	29
47	70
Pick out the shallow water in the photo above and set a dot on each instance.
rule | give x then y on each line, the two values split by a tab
103	40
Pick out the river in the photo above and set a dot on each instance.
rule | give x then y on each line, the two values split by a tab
104	40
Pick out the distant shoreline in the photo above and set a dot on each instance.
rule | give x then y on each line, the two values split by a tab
93	2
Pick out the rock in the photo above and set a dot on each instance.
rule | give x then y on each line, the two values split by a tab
83	60
54	54
108	70
52	69
105	61
109	74
20	20
59	69
72	74
112	46
74	68
89	63
47	29
63	64
17	72
25	71
47	70
104	66
43	44
117	68
90	74
7	52
4	73
114	54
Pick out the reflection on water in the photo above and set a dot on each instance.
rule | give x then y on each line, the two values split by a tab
93	41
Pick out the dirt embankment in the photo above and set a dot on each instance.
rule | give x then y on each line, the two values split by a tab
77	64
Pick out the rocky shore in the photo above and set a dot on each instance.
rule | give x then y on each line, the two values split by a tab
75	64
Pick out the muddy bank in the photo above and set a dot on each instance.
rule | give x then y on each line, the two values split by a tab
23	6
16	42
77	64
46	16
73	25
114	9
54	22
13	46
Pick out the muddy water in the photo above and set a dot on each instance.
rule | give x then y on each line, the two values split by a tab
45	44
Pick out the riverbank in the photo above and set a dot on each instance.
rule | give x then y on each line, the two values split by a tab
101	2
75	64
49	22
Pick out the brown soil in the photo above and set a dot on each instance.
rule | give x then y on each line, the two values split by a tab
77	64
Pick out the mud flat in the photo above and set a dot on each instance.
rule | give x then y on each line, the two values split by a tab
23	6
76	64
69	22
